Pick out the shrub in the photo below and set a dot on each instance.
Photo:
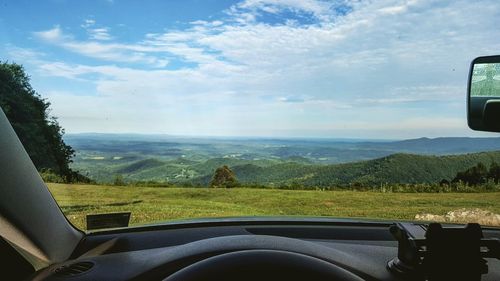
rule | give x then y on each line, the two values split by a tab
50	176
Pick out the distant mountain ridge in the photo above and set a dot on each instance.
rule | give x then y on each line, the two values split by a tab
444	145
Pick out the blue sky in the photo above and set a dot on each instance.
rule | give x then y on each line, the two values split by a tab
289	68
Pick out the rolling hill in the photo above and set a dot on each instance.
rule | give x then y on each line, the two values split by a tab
398	168
278	162
394	169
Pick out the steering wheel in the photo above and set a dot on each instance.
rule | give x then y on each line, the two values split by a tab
262	264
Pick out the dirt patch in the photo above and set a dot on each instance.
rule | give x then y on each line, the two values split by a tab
482	217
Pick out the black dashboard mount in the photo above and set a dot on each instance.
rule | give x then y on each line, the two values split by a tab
441	253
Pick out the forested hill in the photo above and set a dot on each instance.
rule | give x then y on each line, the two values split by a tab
401	168
396	168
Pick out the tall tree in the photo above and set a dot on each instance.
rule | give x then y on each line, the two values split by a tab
28	113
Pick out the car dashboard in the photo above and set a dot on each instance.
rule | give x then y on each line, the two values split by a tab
156	252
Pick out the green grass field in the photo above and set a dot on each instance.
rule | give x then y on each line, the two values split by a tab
150	205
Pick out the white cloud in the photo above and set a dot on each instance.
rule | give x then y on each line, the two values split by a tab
96	33
398	8
22	54
99	34
105	51
88	23
207	23
54	34
373	60
322	10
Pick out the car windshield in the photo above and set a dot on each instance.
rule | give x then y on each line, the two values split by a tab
156	111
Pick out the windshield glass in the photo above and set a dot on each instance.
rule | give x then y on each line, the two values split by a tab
170	110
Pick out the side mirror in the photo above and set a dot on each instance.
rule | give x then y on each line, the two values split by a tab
483	94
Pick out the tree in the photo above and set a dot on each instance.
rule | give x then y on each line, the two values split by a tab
119	180
224	177
474	176
40	134
494	172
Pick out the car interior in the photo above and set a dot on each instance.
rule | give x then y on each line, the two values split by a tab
197	140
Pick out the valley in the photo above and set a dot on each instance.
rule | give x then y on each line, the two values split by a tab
269	162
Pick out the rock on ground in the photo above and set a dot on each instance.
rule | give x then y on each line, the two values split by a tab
482	217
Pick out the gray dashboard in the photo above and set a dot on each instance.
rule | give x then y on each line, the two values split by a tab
154	253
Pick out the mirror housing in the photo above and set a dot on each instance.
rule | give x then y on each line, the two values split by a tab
483	94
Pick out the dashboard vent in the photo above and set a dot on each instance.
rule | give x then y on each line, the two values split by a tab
73	269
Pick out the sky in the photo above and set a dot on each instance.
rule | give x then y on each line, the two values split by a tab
276	68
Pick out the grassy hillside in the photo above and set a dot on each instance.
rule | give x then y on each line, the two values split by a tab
160	204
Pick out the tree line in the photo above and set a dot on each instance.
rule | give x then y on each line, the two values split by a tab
479	174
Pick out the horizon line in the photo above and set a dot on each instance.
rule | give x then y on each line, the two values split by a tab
270	137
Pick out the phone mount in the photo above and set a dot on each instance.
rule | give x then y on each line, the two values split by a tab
442	253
